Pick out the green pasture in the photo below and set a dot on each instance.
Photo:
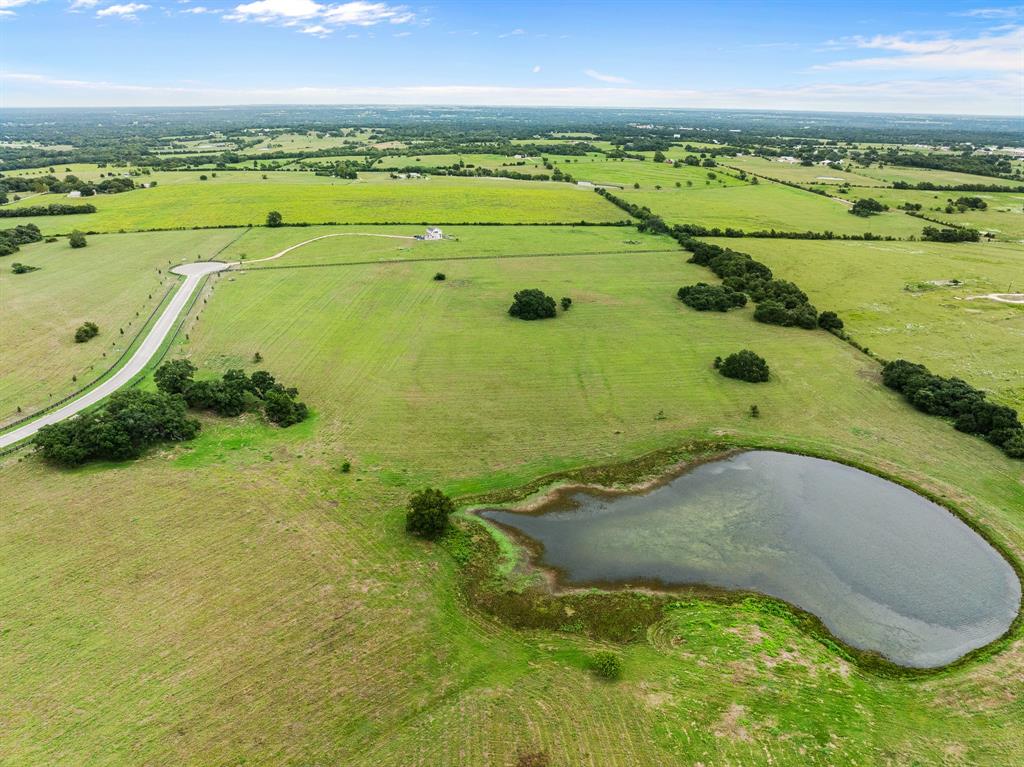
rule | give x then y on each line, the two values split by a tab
801	174
239	599
649	174
767	205
353	244
893	173
243	198
893	299
1004	216
114	282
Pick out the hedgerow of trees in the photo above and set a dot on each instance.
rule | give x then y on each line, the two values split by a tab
953	398
12	239
934	234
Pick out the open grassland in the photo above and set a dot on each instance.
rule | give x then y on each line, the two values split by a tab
1004	216
894	173
768	206
801	174
648	173
348	244
240	600
116	282
532	165
240	199
886	294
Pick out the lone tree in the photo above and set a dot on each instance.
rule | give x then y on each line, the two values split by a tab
566	302
274	219
746	366
77	239
428	512
532	304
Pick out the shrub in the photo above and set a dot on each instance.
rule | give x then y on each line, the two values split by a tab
440	277
346	467
132	421
532	304
427	515
86	331
566	302
274	219
745	366
77	239
706	298
19	268
607	665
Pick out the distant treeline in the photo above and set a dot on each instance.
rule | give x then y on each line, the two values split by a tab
53	209
979	165
928	186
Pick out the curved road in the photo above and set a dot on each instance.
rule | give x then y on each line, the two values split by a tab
193	273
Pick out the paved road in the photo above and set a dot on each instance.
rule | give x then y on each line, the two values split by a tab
193	274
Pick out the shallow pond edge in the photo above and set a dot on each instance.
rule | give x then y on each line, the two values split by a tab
494	565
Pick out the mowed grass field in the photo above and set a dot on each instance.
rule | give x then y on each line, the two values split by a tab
648	173
754	207
238	599
894	173
116	281
349	244
882	292
1004	216
802	174
242	198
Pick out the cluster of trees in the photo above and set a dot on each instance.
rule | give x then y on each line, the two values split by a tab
77	239
86	332
19	268
707	298
53	209
779	302
934	234
967	203
532	304
233	393
12	239
743	365
867	207
131	422
953	398
70	183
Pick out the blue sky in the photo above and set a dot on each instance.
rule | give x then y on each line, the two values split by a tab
932	57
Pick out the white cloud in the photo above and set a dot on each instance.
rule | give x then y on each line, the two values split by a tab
77	5
292	12
317	30
995	95
124	11
536	69
7	6
606	78
514	33
197	10
992	53
1007	12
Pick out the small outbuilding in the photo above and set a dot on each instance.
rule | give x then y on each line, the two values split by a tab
74	193
433	233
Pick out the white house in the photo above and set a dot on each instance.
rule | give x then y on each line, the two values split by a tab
433	233
74	193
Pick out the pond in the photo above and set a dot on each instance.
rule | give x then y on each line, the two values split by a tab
882	567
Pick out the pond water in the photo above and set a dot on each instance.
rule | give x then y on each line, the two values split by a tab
884	568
